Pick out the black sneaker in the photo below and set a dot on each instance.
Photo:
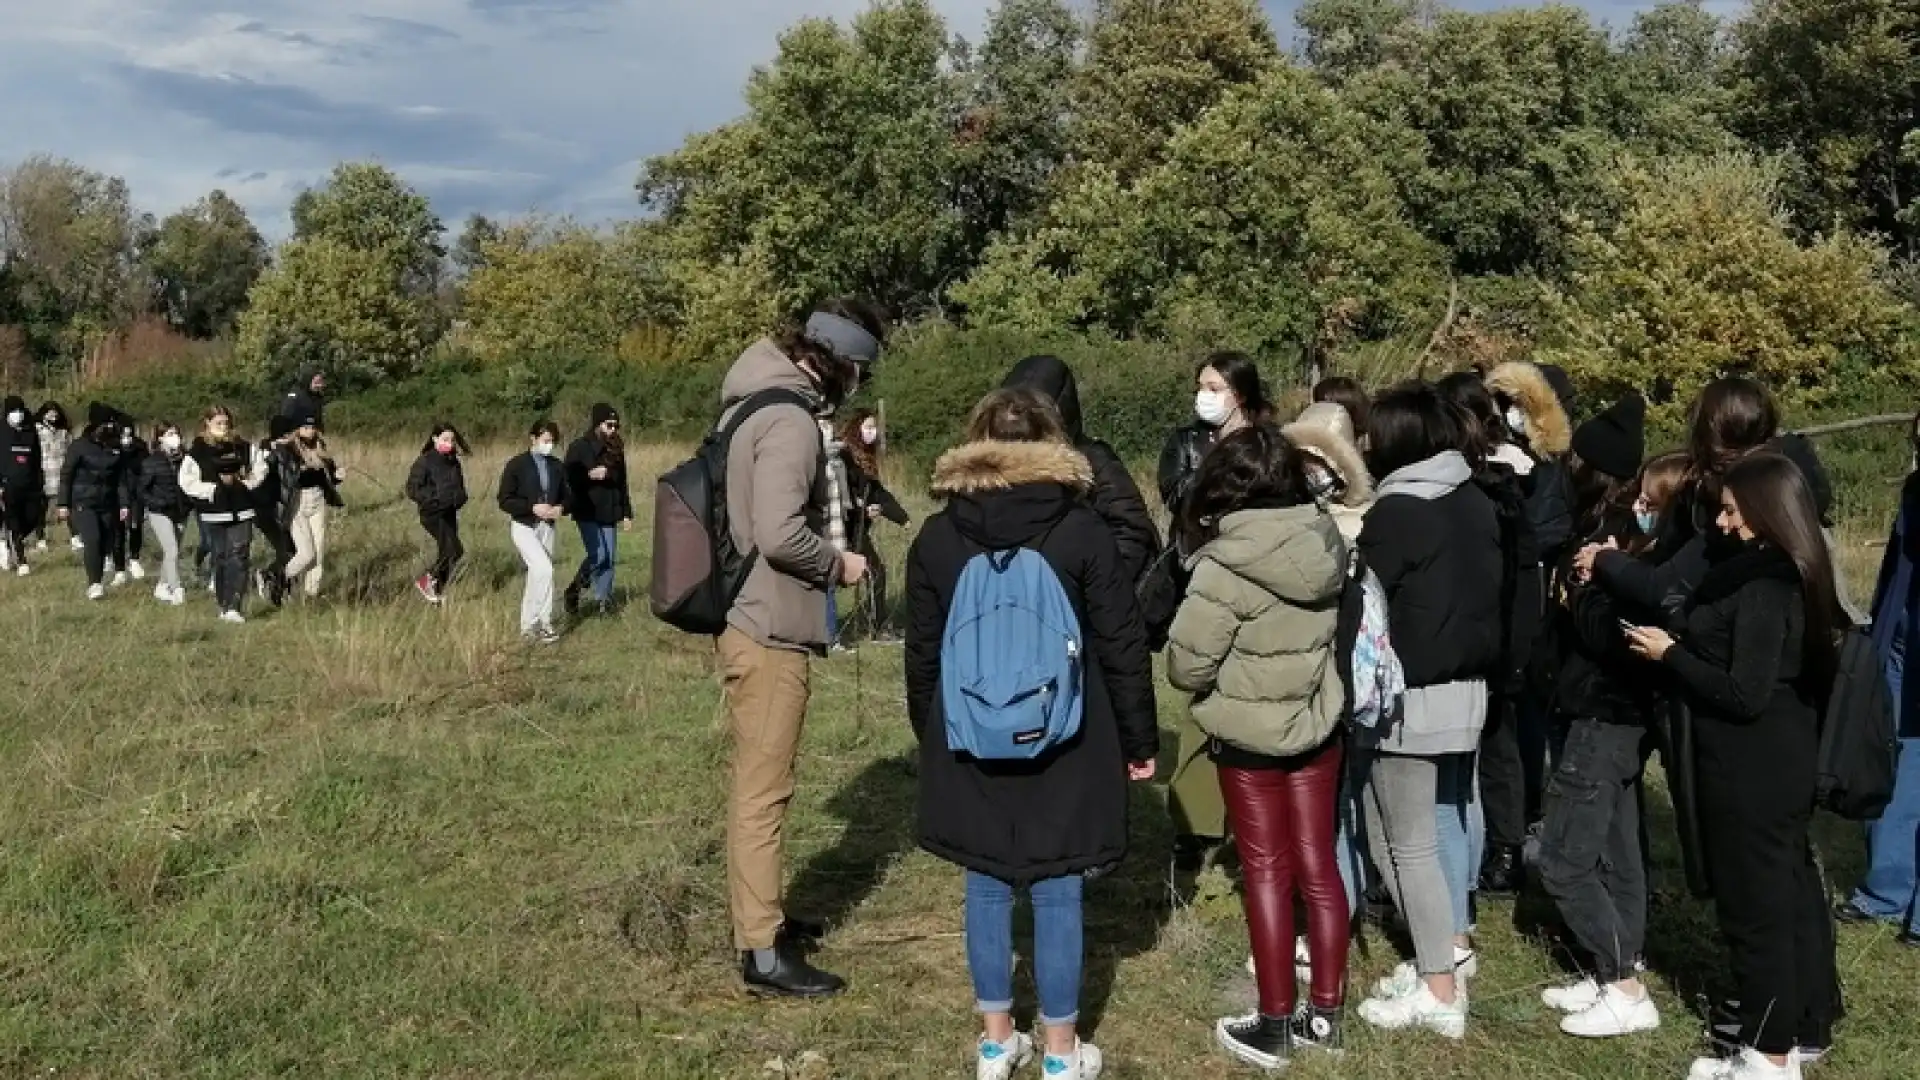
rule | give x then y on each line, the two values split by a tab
1190	852
1503	873
1318	1029
1264	1042
571	599
791	975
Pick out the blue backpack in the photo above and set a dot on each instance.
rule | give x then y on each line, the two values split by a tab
1012	680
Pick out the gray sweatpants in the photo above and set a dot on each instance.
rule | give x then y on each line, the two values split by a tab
1400	799
166	532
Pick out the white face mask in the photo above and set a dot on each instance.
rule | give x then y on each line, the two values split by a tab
16	418
544	449
126	438
1517	420
1213	407
170	441
869	434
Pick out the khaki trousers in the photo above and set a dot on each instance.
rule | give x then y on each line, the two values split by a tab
766	698
309	533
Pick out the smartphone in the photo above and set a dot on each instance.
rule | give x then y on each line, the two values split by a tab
1626	626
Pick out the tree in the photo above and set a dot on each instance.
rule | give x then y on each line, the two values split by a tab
1701	277
1834	85
69	238
1155	66
837	180
559	288
354	291
1014	133
1274	224
203	260
1675	72
1345	38
470	250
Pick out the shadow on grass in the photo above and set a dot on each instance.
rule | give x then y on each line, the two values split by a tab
876	808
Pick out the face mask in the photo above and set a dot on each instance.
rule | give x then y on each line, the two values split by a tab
1212	407
869	435
126	438
445	448
544	449
170	441
1516	420
1646	519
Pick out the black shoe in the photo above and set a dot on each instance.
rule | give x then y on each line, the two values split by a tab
571	599
1315	1028
1264	1042
1503	873
798	929
1851	914
1190	852
791	976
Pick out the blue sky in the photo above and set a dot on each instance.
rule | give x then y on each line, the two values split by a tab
498	106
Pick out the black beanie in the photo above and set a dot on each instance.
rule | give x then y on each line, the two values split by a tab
1615	442
14	403
280	426
99	413
603	412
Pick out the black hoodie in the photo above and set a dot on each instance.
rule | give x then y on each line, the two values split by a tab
1115	496
1067	812
302	403
20	469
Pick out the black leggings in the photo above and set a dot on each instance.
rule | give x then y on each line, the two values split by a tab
229	544
128	537
445	530
96	530
23	515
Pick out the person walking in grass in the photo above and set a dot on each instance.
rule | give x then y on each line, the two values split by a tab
219	475
167	508
20	484
55	437
438	487
1018	487
868	502
129	539
96	492
309	489
602	505
533	495
274	512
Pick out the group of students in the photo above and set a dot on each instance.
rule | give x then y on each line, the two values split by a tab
1389	612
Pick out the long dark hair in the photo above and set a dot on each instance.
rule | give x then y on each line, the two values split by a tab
59	415
1254	468
863	456
1777	504
1731	419
1602	502
459	440
1413	422
1242	375
1469	392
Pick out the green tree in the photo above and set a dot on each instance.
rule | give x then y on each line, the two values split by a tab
1675	70
1834	85
203	260
1274	224
470	250
1155	66
1345	38
354	291
559	288
1013	136
1701	277
70	238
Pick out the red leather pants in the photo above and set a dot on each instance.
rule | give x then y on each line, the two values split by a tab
1283	821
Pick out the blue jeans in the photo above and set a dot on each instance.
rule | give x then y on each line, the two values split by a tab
1462	832
1350	834
1892	886
1058	944
833	615
597	568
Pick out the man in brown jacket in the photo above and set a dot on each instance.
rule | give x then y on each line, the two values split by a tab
777	507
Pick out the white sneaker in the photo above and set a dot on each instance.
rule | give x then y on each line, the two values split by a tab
1404	981
999	1061
23	569
177	596
139	572
119	579
162	593
78	544
1419	1009
1749	1064
95	592
1466	963
232	617
6	555
1579	997
40	545
1083	1064
1614	1015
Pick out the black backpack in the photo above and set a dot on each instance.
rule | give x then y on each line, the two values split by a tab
697	570
1859	747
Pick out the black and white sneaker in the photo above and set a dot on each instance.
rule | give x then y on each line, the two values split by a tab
1318	1029
1264	1042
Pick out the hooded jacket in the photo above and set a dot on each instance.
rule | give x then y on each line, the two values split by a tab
22	468
1115	496
437	483
1325	432
96	477
521	489
301	403
1255	637
1548	437
601	502
1433	538
54	442
1065	813
777	505
159	484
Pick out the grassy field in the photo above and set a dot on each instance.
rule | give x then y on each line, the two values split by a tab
367	838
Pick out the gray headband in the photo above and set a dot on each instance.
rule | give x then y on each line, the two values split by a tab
848	339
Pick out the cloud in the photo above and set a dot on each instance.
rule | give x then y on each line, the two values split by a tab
494	106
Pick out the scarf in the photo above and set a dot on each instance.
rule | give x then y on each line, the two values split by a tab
1755	561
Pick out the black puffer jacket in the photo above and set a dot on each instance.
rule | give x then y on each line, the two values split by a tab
521	490
96	478
21	469
1115	496
1067	812
436	483
1180	462
301	403
603	502
159	485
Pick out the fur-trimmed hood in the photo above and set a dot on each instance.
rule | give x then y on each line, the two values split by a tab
1549	433
1326	431
982	467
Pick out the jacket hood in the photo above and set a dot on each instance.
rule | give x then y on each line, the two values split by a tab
1436	477
1326	431
1004	494
1294	553
303	381
1548	431
14	403
763	367
1051	376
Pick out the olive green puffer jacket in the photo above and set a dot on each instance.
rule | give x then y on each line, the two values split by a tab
1254	639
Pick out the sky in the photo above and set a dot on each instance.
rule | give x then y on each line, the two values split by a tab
490	106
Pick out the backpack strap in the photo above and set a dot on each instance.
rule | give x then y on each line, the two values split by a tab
757	401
